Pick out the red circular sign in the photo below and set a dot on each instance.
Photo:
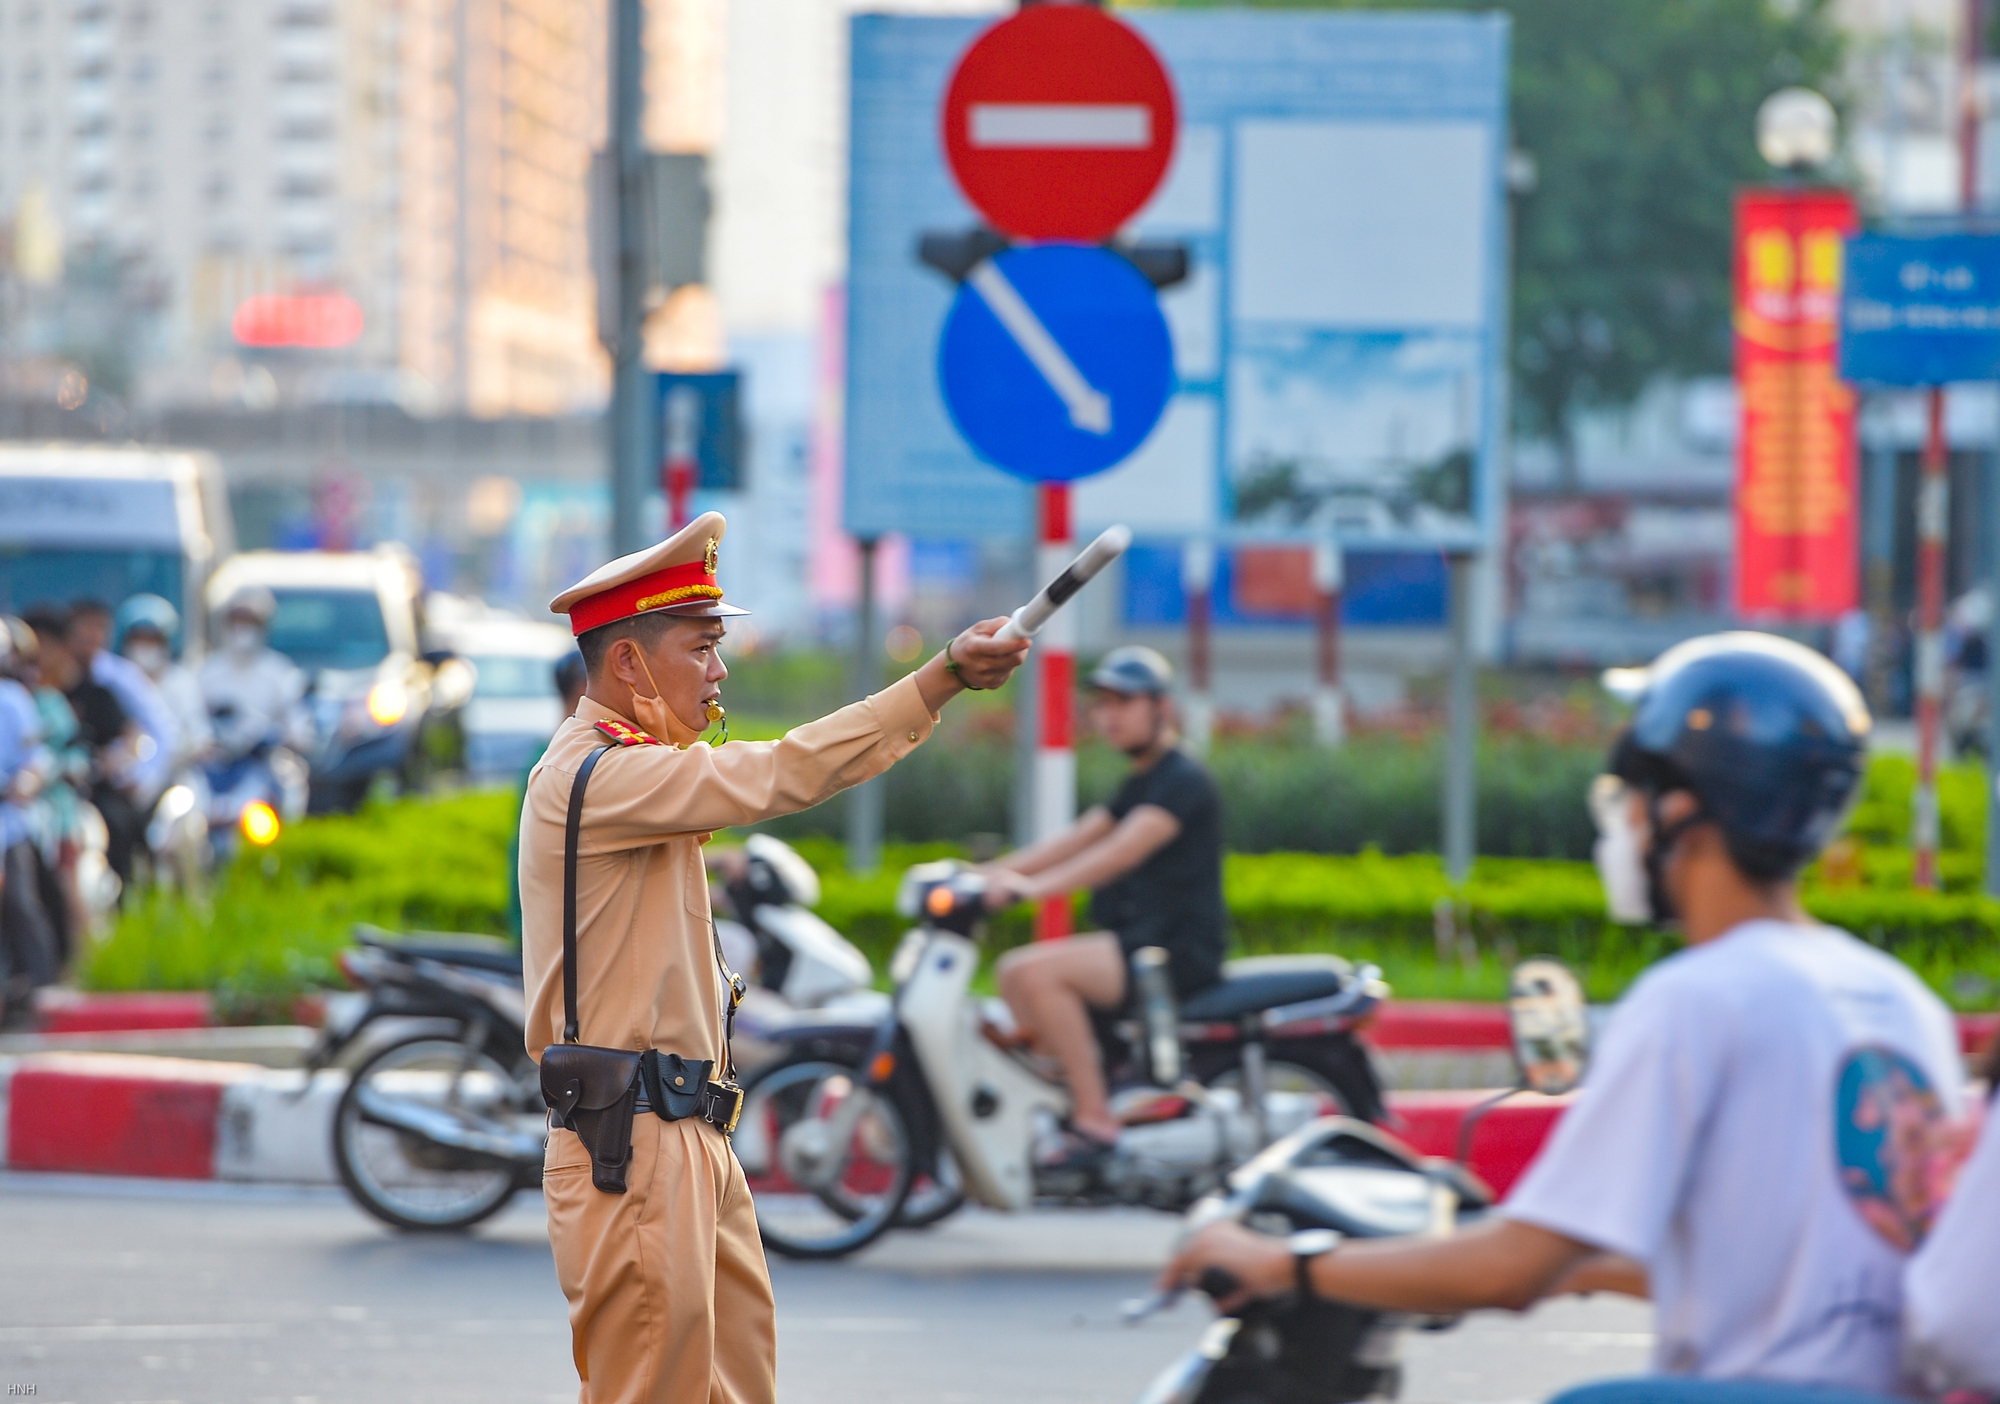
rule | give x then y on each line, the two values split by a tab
1059	123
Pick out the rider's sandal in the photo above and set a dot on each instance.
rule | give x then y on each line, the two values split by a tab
1080	1151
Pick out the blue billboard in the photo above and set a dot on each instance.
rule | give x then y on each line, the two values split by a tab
1920	310
1337	183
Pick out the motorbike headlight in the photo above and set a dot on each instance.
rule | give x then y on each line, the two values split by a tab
178	800
388	702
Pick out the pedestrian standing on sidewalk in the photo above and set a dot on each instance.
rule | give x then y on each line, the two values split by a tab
655	1241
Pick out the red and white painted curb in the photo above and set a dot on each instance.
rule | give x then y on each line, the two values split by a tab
168	1118
182	1119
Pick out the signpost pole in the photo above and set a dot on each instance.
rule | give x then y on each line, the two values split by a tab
1329	713
678	473
1055	753
1198	589
627	428
864	802
1933	508
1460	707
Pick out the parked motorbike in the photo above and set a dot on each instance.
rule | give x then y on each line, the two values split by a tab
443	1120
792	958
838	1133
1339	1178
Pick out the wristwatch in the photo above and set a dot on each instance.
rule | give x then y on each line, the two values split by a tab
1306	1245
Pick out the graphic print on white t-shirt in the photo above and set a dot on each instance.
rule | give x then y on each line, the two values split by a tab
1710	1143
1889	1130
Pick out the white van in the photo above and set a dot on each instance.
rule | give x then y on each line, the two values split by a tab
86	521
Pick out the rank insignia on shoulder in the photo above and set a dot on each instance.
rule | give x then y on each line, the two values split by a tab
627	735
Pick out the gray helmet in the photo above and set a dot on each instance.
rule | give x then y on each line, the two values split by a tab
144	612
1135	671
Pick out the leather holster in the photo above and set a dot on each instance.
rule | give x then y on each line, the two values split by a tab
594	1092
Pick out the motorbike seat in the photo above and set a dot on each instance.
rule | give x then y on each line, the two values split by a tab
1267	982
474	952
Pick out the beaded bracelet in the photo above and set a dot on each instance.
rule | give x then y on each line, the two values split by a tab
951	666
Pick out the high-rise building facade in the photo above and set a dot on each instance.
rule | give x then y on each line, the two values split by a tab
424	158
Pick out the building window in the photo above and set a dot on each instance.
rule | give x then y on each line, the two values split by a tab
304	187
217	189
305	128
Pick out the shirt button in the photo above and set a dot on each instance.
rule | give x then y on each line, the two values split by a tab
913	736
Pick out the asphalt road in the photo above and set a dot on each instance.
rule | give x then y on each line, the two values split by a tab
117	1292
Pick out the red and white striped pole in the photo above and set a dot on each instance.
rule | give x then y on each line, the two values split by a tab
1055	650
677	471
1329	708
1933	512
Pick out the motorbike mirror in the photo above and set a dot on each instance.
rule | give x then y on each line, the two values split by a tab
1549	1024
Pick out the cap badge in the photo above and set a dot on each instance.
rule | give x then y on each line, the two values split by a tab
708	556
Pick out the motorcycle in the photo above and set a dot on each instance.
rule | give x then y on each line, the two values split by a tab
837	1134
1340	1178
250	796
794	961
443	1119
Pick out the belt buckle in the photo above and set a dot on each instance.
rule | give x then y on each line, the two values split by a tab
736	1108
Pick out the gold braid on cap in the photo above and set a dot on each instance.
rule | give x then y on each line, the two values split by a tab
677	594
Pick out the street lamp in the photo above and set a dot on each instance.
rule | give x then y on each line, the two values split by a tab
1796	127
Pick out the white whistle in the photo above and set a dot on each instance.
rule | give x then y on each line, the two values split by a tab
1028	620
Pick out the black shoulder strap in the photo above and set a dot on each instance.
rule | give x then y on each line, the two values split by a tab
570	832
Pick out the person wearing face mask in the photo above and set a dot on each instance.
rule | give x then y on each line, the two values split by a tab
1754	1141
1153	859
254	694
654	1236
158	738
142	632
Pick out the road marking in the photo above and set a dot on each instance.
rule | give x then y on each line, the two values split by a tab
852	1323
1060	126
1089	408
110	1331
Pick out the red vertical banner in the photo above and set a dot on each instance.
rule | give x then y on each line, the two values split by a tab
1797	503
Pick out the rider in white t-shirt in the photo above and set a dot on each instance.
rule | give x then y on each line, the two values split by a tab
1752	1142
1951	1340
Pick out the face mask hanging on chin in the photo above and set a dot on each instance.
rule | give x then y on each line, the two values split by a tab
1620	854
657	719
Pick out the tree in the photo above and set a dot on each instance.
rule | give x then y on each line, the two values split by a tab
1639	116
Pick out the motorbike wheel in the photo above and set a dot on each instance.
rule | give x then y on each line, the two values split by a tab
932	1201
828	1157
399	1177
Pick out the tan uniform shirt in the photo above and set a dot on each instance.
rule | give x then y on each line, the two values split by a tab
646	966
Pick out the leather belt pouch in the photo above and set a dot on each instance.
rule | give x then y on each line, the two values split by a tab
675	1086
594	1092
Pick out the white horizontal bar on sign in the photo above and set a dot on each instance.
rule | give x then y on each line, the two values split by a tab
1113	126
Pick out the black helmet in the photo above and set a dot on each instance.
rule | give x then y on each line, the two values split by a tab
1135	671
1768	735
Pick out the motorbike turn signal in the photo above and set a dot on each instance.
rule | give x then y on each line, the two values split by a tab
260	823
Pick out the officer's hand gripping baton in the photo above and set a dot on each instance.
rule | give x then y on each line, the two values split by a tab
1030	617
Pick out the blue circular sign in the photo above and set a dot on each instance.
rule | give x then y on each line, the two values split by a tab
1056	362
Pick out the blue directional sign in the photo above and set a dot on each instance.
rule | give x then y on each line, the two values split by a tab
1055	362
1921	310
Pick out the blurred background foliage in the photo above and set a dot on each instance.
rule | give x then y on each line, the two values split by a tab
1299	878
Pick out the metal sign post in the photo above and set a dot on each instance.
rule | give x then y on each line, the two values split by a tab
1329	709
1461	756
1055	735
1924	311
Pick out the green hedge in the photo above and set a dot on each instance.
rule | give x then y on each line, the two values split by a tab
277	918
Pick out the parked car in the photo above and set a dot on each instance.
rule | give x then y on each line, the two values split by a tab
514	709
383	707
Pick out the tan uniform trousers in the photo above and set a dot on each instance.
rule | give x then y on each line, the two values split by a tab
669	1298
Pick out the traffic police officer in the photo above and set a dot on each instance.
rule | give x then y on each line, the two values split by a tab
668	1295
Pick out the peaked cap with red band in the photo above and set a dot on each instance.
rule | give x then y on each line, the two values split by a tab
675	577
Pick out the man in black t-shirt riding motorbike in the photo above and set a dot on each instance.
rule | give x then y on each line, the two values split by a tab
1152	858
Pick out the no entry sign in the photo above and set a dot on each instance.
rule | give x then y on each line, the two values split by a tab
1059	123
